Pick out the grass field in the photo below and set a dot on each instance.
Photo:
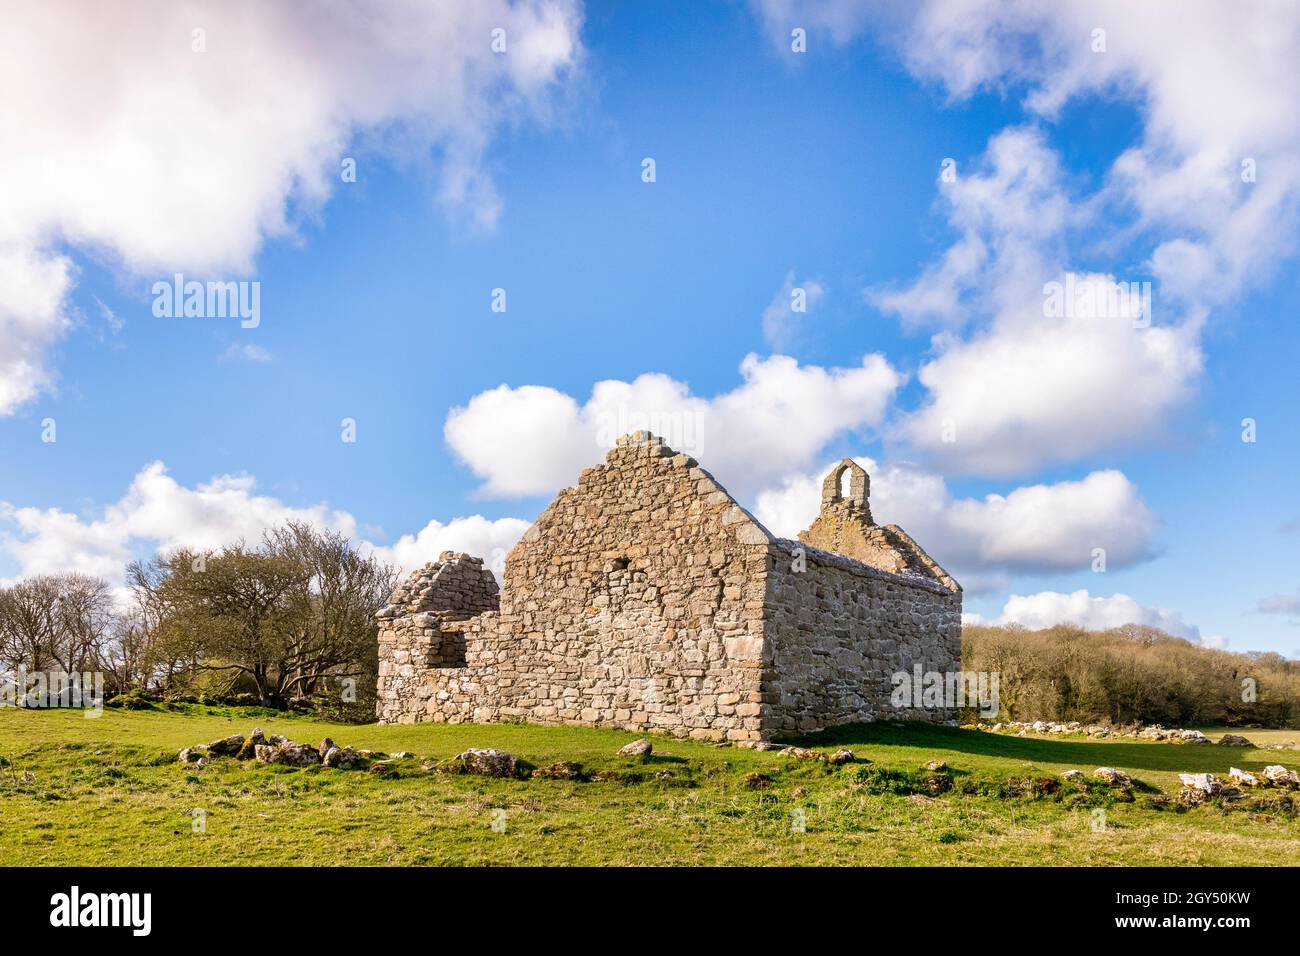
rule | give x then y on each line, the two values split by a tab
109	791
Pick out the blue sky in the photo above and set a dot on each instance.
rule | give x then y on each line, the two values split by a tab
775	171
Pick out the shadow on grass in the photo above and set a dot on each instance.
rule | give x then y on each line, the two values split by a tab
1130	754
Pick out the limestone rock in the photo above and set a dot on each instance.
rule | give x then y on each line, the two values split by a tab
936	765
840	757
561	770
1243	778
1280	776
193	754
1073	776
325	747
288	753
1113	776
227	746
254	740
637	748
488	763
1206	782
1234	740
1193	737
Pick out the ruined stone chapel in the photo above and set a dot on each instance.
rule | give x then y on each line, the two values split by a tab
646	598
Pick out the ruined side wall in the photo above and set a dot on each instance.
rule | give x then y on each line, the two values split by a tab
635	601
418	629
838	631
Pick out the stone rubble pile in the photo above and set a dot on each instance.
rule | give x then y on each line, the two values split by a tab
281	750
1149	732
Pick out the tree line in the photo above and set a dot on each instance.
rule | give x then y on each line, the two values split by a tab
1129	675
289	619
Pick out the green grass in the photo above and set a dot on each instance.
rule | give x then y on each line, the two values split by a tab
109	791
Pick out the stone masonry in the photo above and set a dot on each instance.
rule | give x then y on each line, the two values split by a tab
646	598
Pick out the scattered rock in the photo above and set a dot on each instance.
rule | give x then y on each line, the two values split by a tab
637	748
1205	782
561	770
936	765
325	747
249	750
762	745
1073	776
918	798
1234	740
193	754
403	755
288	754
755	780
344	758
800	753
1243	778
227	746
936	783
488	763
1193	737
1112	776
840	757
1280	776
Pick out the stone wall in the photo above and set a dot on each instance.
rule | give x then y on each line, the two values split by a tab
417	629
635	601
837	631
645	598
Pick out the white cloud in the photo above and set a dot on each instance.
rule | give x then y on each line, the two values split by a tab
533	440
1036	528
1011	214
1048	608
1032	385
33	315
486	538
1214	85
129	145
246	352
781	323
158	513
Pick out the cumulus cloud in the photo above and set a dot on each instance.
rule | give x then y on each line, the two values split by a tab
781	318
157	513
1188	204
533	440
1096	613
1035	529
33	314
130	143
1048	377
